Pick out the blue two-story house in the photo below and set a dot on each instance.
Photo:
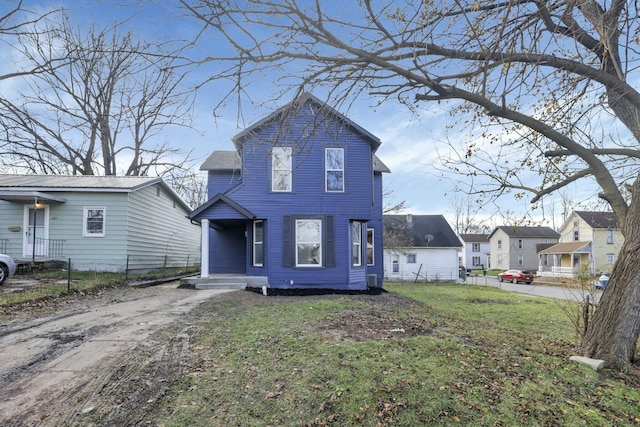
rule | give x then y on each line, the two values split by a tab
298	204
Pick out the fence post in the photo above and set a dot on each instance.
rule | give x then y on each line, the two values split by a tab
188	261
126	269
69	275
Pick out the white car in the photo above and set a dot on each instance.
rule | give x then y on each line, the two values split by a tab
7	267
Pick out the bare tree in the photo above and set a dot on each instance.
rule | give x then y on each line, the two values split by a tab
544	85
103	111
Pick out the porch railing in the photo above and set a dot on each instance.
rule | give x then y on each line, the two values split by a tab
48	248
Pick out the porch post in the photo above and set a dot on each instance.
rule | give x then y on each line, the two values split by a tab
204	248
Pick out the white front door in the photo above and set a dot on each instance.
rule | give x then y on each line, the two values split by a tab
36	231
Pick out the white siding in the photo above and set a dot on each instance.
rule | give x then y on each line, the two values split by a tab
432	264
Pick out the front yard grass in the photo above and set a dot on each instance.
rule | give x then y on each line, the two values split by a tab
422	354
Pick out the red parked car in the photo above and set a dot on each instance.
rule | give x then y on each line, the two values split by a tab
516	276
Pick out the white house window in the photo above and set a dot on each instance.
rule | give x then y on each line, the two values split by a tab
610	237
475	247
499	244
281	169
334	169
611	258
476	261
576	235
370	258
356	243
308	242
520	260
520	243
395	265
258	243
411	258
94	225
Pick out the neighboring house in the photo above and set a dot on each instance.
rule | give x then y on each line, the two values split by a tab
298	205
514	247
588	240
98	222
420	247
476	250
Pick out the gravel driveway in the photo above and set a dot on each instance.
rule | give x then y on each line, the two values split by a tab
108	357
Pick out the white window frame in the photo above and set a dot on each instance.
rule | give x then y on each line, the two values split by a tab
85	221
258	244
332	169
610	235
301	241
475	247
395	266
611	259
356	244
411	258
371	235
576	235
520	260
475	261
520	244
281	169
499	244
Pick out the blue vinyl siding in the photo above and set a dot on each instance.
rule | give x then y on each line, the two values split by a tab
361	200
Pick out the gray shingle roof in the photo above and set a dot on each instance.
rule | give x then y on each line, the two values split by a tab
474	237
516	231
599	219
424	230
67	182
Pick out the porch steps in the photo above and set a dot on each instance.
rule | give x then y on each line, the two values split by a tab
223	281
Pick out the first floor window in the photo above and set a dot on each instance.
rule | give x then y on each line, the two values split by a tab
94	222
611	258
258	243
370	256
308	242
520	260
395	266
411	258
476	261
356	243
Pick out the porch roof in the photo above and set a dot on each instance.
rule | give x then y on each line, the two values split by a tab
220	199
568	248
29	196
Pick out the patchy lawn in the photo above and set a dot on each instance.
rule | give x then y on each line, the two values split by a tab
418	355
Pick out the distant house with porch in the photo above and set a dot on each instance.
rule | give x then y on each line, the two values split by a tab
100	223
589	241
515	247
420	248
297	205
476	250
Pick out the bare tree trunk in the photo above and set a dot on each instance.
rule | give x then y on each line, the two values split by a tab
613	333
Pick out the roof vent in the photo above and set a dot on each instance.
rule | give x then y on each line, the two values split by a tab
428	238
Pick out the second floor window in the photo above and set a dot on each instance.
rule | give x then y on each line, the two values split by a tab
610	237
576	235
334	169
499	244
281	169
476	247
520	243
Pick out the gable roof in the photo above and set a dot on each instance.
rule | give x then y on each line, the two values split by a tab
296	104
599	219
231	161
474	237
527	232
221	199
45	187
423	230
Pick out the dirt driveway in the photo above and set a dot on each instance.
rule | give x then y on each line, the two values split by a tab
104	357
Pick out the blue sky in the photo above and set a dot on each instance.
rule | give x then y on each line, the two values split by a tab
412	143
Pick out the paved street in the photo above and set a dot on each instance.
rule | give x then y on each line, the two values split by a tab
535	289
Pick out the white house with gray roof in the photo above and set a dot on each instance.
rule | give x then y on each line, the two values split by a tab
98	222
